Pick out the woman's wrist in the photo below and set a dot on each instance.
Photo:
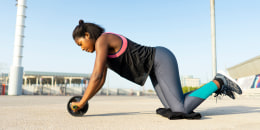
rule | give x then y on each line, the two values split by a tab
81	104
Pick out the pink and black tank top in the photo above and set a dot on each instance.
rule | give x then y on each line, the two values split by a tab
133	61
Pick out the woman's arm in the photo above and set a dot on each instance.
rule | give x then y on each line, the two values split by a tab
99	72
81	105
102	82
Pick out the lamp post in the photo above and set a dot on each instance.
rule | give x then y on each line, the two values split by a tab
16	71
213	37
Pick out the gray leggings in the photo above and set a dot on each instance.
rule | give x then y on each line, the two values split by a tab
166	81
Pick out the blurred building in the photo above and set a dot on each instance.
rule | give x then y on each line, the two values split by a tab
36	78
3	78
247	73
58	83
190	81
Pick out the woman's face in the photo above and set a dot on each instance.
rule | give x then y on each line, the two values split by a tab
86	43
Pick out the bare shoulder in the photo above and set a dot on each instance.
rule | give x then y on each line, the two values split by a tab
103	37
108	36
112	40
103	40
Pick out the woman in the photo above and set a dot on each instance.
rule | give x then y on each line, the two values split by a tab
136	62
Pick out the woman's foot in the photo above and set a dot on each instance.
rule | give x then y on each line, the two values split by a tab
228	87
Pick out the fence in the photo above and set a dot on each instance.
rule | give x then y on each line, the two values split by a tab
49	90
76	90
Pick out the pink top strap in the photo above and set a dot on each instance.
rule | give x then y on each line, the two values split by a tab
122	49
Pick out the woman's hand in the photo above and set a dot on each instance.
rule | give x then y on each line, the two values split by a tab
75	106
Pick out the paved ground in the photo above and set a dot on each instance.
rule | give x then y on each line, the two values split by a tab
124	112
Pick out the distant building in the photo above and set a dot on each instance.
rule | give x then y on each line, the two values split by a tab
247	73
190	81
59	83
3	78
36	78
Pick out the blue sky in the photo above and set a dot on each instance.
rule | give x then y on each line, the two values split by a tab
182	26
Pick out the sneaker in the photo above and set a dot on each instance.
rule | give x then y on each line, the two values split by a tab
230	86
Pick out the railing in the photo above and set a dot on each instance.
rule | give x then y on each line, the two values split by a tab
64	90
79	90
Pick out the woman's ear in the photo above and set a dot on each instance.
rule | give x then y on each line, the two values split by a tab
87	35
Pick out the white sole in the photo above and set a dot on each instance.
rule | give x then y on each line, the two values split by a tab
230	78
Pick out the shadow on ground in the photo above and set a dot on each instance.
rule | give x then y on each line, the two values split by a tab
230	110
120	114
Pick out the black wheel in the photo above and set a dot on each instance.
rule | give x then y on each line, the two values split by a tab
80	112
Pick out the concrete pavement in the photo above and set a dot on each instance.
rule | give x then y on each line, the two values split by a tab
125	112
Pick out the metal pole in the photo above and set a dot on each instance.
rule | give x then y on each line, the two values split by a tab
213	37
107	84
16	72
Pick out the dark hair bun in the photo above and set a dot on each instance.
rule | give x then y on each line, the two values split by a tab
81	22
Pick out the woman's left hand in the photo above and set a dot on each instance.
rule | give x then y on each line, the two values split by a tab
75	106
